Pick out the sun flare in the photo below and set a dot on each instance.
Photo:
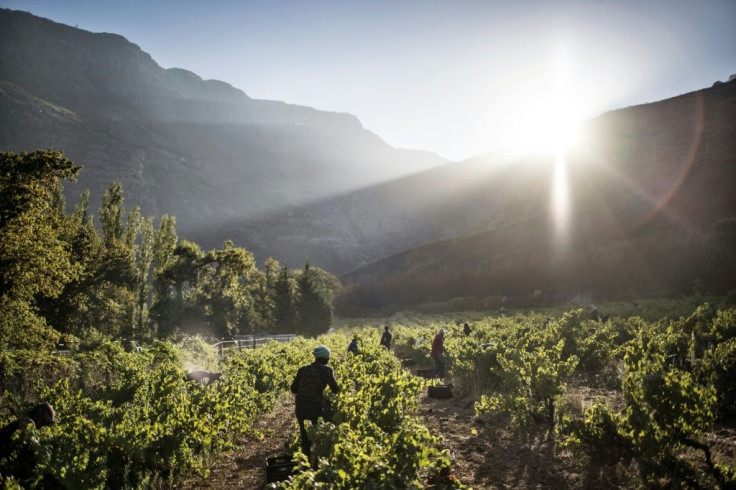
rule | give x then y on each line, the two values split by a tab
544	113
548	123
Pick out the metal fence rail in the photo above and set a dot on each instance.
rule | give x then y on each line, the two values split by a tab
241	342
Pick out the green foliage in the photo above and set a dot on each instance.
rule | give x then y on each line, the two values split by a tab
198	354
111	213
284	302
373	441
672	397
719	369
126	420
60	274
225	289
34	259
533	372
596	437
314	313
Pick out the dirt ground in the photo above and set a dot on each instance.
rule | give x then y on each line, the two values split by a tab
488	452
494	457
246	468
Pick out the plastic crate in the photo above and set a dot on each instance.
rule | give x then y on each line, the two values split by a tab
279	468
440	391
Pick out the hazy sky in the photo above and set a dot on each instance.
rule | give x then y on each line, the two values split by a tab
455	77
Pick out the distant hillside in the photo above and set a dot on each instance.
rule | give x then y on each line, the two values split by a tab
302	184
226	165
651	201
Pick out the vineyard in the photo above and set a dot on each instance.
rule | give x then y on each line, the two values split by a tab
643	397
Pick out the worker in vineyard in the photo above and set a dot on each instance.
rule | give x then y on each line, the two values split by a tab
595	314
438	353
467	329
309	386
41	415
21	460
386	338
353	346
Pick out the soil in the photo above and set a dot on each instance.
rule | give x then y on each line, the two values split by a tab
245	468
495	456
488	452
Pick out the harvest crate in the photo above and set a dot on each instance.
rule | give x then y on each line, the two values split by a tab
440	391
279	468
408	362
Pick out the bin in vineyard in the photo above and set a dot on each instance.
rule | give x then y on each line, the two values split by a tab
440	391
279	468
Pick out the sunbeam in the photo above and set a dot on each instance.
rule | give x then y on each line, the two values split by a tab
560	204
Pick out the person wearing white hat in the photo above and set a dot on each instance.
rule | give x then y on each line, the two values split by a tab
309	386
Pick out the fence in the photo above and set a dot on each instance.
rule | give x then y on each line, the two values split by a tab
240	342
250	342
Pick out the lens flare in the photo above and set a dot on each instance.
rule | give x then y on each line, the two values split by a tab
560	202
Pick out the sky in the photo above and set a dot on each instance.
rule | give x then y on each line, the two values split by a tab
458	78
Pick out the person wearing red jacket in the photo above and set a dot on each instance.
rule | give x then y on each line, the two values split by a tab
438	353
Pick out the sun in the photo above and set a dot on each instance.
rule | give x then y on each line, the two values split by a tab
544	113
545	123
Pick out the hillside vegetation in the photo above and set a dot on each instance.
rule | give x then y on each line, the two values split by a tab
626	400
64	279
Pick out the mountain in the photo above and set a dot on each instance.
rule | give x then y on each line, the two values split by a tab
402	226
651	210
226	165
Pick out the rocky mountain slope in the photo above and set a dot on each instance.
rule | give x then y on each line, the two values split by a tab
225	165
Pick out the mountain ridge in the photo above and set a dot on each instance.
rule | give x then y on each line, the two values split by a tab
201	150
301	184
650	207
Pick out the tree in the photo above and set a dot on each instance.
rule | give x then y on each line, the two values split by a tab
264	292
81	210
68	311
173	282
327	285
164	244
225	291
284	303
144	261
314	312
112	212
34	259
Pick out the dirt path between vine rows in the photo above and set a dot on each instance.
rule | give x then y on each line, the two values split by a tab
245	468
488	452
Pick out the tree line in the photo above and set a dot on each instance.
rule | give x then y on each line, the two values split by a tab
64	278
